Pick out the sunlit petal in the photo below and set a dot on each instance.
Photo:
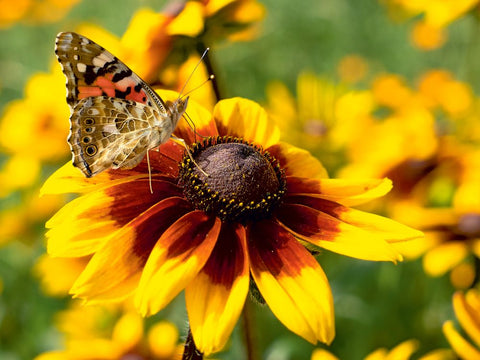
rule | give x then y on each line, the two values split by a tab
176	259
216	297
291	281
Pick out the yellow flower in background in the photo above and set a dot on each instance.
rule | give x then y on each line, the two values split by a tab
428	37
37	125
322	116
101	333
435	16
153	246
402	351
352	69
467	311
452	234
22	220
57	274
33	11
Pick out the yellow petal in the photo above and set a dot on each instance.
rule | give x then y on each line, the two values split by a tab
215	298
403	350
322	354
115	269
189	22
297	162
467	316
462	347
328	232
176	259
291	282
444	257
245	119
347	192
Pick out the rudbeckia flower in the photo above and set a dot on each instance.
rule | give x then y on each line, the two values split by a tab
250	223
467	310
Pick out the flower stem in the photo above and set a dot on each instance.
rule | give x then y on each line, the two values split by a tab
190	351
248	330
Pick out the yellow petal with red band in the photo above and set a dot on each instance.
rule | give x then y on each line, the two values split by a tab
115	269
179	255
216	296
467	316
332	234
245	119
291	281
82	225
385	228
462	347
297	162
344	191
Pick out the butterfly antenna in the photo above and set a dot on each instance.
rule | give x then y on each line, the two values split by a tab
191	74
210	78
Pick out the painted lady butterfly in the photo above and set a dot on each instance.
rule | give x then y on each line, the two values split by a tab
115	116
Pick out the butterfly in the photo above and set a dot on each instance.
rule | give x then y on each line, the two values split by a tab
115	117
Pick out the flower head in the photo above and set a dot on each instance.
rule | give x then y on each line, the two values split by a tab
245	224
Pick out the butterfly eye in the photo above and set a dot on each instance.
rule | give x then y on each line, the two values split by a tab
86	139
88	129
91	150
89	121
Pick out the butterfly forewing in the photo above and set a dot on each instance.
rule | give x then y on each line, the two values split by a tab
93	71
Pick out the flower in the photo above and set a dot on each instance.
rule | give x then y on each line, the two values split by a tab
33	11
428	32
109	333
467	310
402	351
244	225
323	116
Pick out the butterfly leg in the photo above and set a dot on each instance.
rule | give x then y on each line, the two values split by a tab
149	173
184	144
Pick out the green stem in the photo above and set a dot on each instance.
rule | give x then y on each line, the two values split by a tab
248	330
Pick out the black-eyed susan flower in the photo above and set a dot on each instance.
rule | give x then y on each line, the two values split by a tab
246	224
113	333
467	311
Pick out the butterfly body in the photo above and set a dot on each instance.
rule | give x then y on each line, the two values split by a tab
115	116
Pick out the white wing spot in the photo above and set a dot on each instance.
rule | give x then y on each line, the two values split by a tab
99	60
75	57
81	67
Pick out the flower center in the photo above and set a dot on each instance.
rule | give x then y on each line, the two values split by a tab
244	183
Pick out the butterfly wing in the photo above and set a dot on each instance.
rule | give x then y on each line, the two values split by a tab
93	71
114	133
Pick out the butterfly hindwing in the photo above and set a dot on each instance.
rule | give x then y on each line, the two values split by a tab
113	133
